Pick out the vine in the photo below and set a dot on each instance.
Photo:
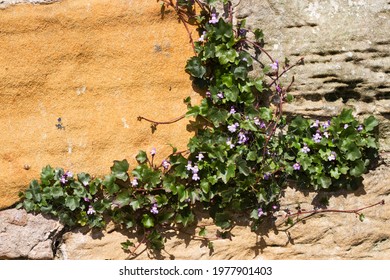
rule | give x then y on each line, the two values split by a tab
244	152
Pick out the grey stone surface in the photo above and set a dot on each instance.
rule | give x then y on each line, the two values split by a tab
346	48
26	236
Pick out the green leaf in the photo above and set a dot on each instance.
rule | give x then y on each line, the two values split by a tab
109	183
324	181
84	178
243	167
358	169
147	221
119	169
229	173
346	116
251	156
195	68
222	220
224	31
72	202
141	157
370	123
240	73
204	185
47	175
353	152
203	231
361	217
123	198
259	85
265	113
56	192
259	35
227	80
335	173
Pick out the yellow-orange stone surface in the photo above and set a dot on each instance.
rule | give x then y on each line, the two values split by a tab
97	66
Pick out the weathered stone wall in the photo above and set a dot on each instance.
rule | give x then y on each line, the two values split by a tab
97	65
346	50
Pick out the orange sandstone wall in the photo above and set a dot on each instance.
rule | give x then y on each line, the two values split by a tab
97	65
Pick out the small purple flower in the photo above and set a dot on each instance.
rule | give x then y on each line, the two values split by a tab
332	156
232	110
195	169
200	156
153	152
267	176
346	126
134	182
275	65
91	211
260	212
326	124
189	165
208	94
195	177
278	89
229	143
63	179
86	199
315	124
326	134
360	128
262	125
275	207
220	95
297	166
257	121
202	38
317	137
165	164
214	19
242	138
233	128
305	149
69	174
154	209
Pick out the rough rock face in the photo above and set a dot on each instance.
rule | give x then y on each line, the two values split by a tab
97	66
346	48
89	73
323	236
25	236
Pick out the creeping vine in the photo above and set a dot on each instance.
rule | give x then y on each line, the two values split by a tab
244	152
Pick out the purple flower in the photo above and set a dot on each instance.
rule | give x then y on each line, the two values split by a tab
260	212
165	164
232	128
69	174
86	199
154	209
213	19
229	143
232	110
195	169
195	177
200	156
297	166
208	94
189	166
326	124
134	182
346	126
305	148
153	152
326	134
275	65
63	179
91	211
275	207
267	176
315	124
278	89
202	38
257	121
332	156
242	138
220	95
360	128
317	137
